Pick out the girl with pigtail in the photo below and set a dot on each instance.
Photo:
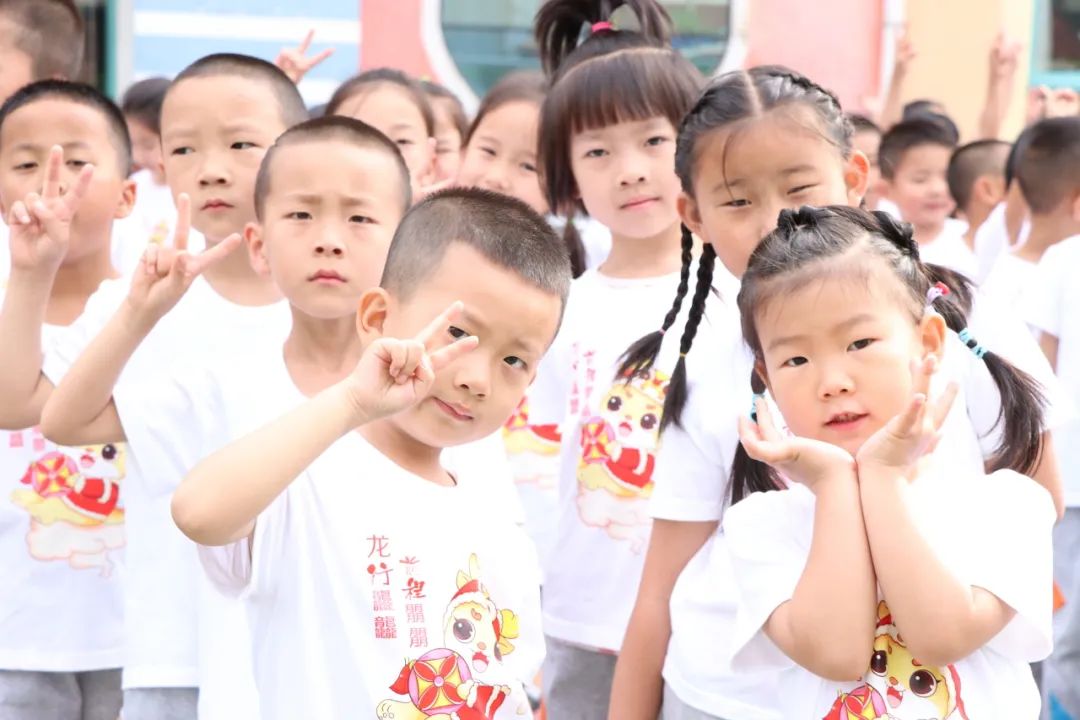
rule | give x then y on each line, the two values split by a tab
757	142
607	142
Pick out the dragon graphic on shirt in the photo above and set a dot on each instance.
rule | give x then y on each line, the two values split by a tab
448	683
533	449
619	444
898	687
73	498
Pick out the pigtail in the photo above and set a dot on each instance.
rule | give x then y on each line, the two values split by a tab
747	474
561	26
677	390
643	353
575	248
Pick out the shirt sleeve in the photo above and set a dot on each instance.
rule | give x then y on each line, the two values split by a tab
247	566
768	536
61	353
1009	552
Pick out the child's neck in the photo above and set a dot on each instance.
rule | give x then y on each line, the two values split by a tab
645	257
1046	231
406	451
75	282
235	280
927	234
319	353
976	215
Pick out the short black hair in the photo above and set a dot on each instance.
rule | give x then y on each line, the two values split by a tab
861	123
918	108
331	127
50	32
1049	163
436	91
971	162
505	230
290	103
902	137
81	94
143	100
369	79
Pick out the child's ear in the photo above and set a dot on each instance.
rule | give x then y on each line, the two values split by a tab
253	238
1074	207
856	177
759	370
933	330
127	200
375	305
690	214
989	190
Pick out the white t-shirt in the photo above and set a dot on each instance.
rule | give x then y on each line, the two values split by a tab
1050	307
949	250
1010	280
533	454
768	537
160	603
992	239
62	549
694	466
610	430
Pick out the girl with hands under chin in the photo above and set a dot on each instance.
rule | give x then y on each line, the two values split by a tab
881	580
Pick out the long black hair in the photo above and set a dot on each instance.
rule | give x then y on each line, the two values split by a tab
803	243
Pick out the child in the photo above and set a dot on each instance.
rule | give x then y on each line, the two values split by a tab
867	140
874	575
1008	223
218	119
607	137
451	129
766	122
1049	299
1049	176
61	534
39	40
976	179
914	164
395	104
290	521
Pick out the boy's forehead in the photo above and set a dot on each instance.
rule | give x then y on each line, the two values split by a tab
52	120
352	168
210	97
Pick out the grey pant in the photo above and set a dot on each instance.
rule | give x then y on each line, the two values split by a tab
161	704
577	681
676	709
91	695
1061	690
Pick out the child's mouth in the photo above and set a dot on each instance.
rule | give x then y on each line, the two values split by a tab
845	421
895	697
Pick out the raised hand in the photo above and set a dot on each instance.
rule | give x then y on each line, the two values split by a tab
905	52
166	273
1063	102
1004	58
801	459
41	224
913	433
294	63
395	374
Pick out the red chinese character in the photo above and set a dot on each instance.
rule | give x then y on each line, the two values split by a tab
410	564
379	544
414	589
414	613
15	440
382	601
385	627
380	570
417	637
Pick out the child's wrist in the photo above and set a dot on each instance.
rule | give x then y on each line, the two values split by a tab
137	318
356	406
835	481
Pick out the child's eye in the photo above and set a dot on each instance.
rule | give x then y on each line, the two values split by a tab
76	163
363	219
795	362
404	142
488	151
515	362
861	344
595	153
457	333
528	167
26	166
656	140
800	189
242	145
182	151
739	203
299	215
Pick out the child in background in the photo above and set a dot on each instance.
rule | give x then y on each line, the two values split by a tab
61	522
154	204
1048	172
914	159
467	642
394	104
451	129
872	574
1008	224
867	140
218	119
1052	306
607	142
976	179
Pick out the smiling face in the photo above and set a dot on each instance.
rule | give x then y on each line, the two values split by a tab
920	188
910	688
215	131
470	632
448	140
501	155
625	175
838	350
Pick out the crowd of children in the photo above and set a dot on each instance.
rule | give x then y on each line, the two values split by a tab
636	395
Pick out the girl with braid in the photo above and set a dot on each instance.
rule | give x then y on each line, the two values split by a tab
607	145
757	142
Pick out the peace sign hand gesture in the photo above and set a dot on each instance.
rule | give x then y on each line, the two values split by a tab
166	273
393	374
293	62
41	224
